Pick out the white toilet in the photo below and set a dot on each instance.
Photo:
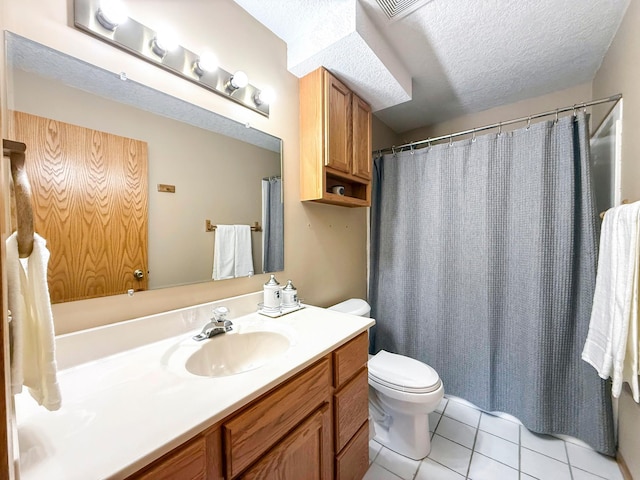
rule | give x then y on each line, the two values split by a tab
402	393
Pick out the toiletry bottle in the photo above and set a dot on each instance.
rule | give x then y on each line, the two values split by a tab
272	294
289	295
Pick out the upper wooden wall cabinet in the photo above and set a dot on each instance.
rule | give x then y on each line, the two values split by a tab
335	145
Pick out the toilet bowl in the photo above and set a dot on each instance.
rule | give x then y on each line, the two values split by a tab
402	393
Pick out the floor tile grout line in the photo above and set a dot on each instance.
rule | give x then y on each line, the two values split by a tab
566	452
443	465
473	447
496	460
545	455
392	473
519	451
517	443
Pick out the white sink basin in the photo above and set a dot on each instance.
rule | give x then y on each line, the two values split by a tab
232	353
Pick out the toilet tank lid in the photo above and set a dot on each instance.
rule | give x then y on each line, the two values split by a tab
354	306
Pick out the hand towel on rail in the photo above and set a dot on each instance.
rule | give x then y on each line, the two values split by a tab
611	345
224	252
33	360
243	258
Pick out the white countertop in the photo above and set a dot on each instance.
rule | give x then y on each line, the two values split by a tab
123	410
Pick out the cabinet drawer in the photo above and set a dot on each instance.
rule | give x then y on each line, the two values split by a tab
351	407
188	463
350	358
353	462
251	433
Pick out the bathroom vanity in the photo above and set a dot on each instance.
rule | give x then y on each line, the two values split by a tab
136	410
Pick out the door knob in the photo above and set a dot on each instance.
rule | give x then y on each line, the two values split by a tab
139	274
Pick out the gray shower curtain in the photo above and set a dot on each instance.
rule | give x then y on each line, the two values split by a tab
483	261
272	225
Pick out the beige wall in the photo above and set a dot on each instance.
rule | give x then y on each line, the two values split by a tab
544	103
382	136
620	73
216	177
325	252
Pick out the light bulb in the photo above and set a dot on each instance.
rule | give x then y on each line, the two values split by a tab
266	95
239	80
111	13
207	62
164	41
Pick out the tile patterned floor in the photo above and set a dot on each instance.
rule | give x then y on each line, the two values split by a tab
469	444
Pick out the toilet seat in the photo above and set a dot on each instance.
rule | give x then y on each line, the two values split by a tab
402	373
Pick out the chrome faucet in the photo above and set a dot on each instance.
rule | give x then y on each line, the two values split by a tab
217	324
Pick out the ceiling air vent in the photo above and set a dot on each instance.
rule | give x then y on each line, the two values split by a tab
395	9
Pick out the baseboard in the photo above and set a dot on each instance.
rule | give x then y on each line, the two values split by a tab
623	467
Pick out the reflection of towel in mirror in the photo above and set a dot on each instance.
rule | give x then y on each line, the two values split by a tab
243	254
33	360
224	252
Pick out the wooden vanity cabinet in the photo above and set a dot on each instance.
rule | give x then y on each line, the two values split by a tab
335	143
312	426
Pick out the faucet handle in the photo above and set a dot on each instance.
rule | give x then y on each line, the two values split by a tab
220	313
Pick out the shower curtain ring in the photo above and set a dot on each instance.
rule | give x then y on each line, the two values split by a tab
500	129
556	120
429	142
473	135
575	110
450	140
411	149
528	123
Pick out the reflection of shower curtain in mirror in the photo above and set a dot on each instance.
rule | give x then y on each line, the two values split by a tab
272	222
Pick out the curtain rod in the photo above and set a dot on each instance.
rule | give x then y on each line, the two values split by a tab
528	118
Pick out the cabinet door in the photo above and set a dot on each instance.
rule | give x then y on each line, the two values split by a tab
304	454
338	126
361	166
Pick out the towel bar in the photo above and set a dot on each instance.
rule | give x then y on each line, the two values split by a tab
209	227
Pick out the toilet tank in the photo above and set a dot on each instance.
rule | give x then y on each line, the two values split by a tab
354	306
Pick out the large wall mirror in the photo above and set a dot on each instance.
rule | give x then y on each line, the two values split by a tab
200	166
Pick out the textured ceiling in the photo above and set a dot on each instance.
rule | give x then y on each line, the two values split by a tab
448	57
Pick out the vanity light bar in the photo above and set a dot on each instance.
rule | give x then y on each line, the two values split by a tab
142	42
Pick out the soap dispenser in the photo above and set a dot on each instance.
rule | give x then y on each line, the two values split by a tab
289	295
272	296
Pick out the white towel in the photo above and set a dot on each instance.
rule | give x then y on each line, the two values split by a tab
243	255
612	342
33	359
224	252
